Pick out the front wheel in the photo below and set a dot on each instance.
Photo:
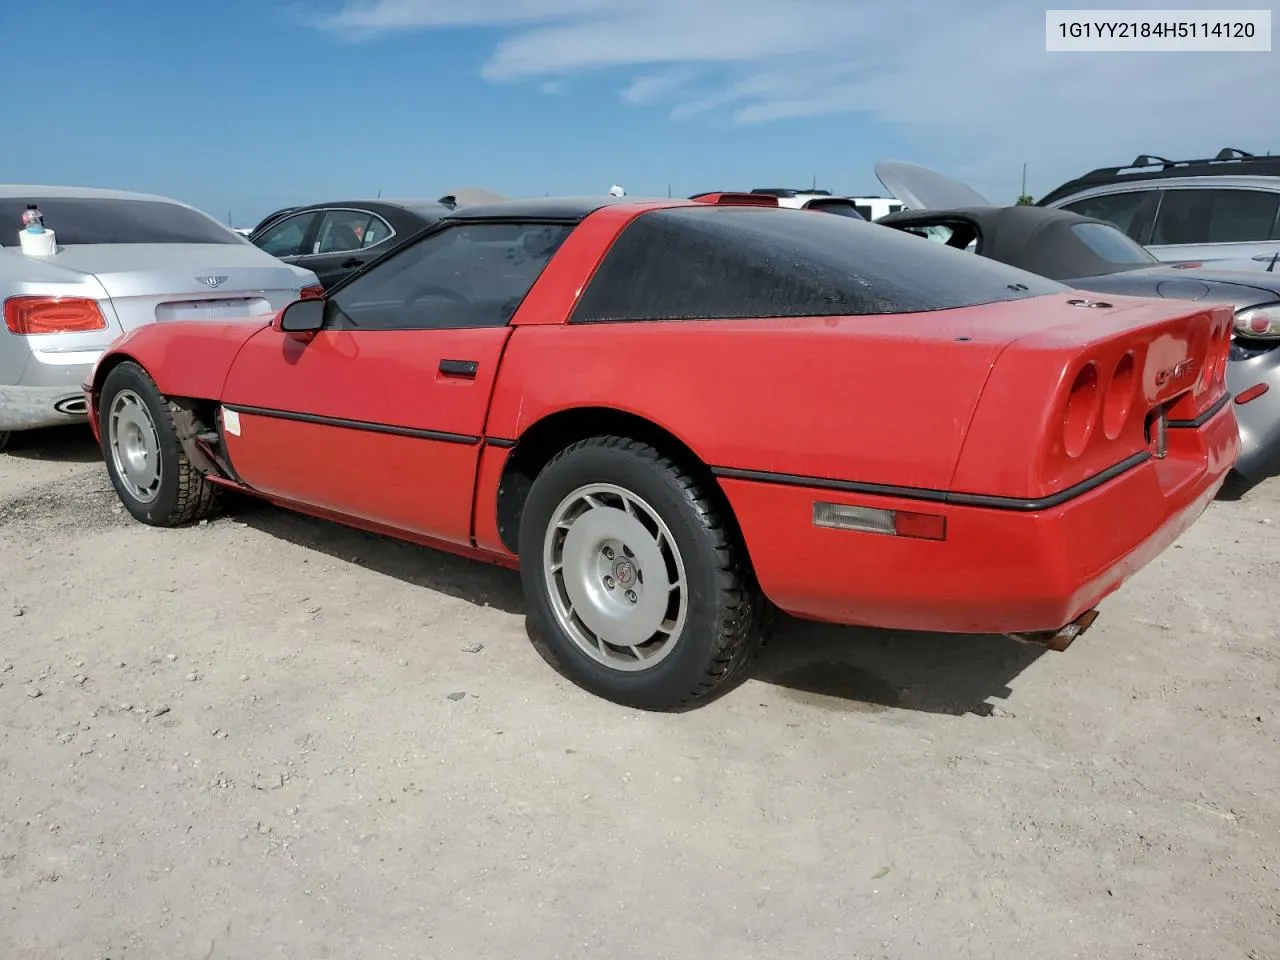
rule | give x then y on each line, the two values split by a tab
152	475
636	588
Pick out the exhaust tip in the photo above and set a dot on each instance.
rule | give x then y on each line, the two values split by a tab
72	406
1058	640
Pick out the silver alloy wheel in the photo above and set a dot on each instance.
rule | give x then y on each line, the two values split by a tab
134	445
615	577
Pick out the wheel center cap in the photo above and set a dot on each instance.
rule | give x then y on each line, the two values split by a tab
624	572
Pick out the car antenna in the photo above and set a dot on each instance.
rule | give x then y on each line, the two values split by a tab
379	196
1271	267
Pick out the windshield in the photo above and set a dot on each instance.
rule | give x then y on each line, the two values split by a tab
1111	245
77	220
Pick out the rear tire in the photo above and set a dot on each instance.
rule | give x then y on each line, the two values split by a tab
152	476
637	589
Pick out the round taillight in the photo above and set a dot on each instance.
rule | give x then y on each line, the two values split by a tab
1119	399
1082	410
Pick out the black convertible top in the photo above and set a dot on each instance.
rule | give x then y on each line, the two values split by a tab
1037	239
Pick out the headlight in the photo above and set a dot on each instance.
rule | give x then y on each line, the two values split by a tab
1259	323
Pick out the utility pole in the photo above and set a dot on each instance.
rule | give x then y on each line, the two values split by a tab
1024	179
815	181
668	190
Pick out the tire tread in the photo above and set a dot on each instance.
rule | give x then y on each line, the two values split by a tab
196	498
741	604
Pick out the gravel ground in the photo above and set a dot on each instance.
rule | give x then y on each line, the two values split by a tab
269	736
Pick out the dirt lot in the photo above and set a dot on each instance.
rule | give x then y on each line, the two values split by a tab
275	737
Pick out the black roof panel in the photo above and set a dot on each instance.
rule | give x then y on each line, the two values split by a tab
538	208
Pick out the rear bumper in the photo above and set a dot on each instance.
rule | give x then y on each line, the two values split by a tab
30	408
1259	418
49	391
998	570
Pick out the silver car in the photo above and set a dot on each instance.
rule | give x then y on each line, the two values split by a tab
1225	207
122	260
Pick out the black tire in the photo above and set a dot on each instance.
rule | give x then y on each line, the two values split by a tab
5	436
184	495
724	613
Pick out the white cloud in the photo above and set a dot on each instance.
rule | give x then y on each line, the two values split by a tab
970	83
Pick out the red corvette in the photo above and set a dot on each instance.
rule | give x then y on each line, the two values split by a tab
664	413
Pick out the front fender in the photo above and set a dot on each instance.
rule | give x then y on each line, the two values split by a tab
184	359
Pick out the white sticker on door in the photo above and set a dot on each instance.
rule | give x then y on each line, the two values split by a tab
231	422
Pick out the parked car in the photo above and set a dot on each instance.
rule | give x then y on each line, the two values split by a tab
873	208
813	200
337	238
1093	255
822	201
123	260
1226	207
664	412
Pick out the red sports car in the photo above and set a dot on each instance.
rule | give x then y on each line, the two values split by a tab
665	412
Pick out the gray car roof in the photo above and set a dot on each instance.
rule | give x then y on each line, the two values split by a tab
19	190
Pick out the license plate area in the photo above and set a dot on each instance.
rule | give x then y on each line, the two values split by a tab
226	308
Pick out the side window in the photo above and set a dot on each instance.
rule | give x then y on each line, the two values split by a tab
344	230
465	275
285	238
375	232
1215	216
1116	208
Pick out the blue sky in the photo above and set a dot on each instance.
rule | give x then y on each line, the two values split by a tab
249	105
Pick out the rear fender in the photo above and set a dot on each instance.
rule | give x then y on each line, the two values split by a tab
863	399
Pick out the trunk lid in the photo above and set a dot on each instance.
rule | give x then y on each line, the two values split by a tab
170	281
1084	387
920	188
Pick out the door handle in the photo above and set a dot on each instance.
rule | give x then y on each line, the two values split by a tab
463	369
351	262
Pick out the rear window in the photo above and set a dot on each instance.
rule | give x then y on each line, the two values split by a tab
719	263
1111	245
98	220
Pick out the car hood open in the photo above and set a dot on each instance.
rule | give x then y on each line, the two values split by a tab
920	188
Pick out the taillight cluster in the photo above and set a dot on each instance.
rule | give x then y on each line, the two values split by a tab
1259	323
29	316
1214	376
313	292
1101	396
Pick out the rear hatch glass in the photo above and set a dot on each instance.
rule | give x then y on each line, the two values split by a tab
98	220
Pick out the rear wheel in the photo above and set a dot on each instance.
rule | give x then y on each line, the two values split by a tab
636	588
152	476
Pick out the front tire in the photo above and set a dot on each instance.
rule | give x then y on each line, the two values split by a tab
637	589
152	476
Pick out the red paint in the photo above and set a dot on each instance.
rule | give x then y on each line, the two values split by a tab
740	199
997	571
492	460
387	377
1019	399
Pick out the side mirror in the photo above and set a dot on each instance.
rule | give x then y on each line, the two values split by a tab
301	316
